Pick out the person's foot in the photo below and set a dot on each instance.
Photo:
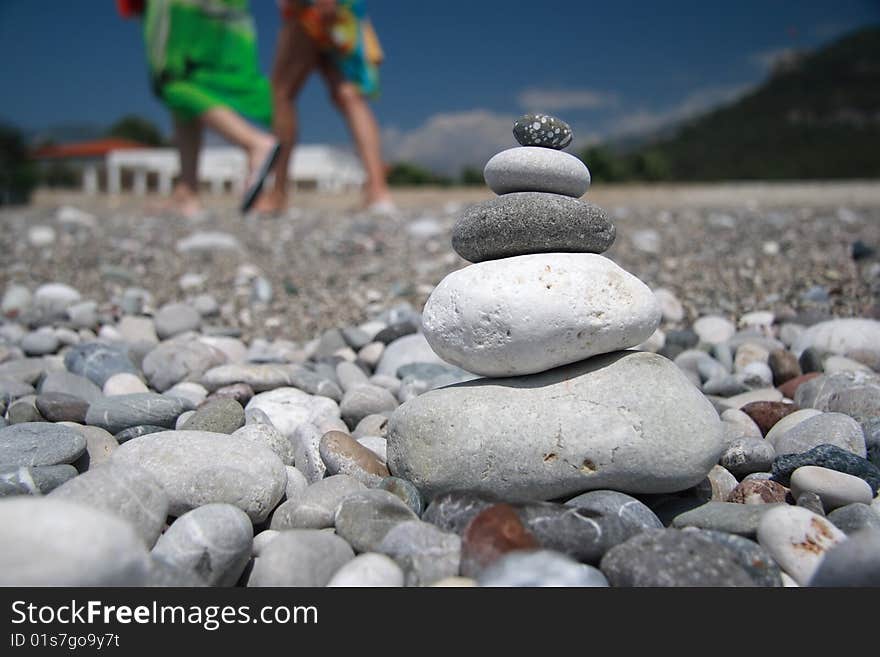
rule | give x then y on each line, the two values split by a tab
183	202
380	204
272	202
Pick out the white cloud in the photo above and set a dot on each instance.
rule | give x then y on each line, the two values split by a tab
447	142
643	121
554	100
770	59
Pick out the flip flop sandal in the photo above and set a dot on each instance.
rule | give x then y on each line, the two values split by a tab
256	187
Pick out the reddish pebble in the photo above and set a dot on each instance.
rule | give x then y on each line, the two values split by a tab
766	413
493	532
790	387
758	491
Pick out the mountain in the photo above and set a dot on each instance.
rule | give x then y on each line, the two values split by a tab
817	116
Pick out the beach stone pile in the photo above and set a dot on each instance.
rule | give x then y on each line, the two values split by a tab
546	421
548	318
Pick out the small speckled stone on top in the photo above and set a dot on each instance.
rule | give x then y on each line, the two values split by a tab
542	130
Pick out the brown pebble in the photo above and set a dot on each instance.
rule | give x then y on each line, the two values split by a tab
790	387
492	533
767	413
784	365
240	392
342	454
758	491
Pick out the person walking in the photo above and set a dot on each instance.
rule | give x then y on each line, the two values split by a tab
336	38
204	67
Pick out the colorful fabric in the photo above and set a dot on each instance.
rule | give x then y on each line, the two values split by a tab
349	40
203	54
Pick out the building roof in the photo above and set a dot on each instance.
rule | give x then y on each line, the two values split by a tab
85	149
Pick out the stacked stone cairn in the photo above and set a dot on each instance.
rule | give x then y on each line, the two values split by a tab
567	405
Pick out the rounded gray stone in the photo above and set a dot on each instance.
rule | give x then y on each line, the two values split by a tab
52	542
364	400
751	556
531	222
425	553
730	517
854	562
40	343
38	480
543	568
213	541
267	436
100	444
535	169
175	318
300	557
825	429
670	557
628	509
180	360
129	493
124	411
855	517
368	570
628	421
98	361
218	416
197	468
296	482
363	519
856	394
315	507
40	443
405	491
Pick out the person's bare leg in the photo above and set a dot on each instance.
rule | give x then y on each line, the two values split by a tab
188	137
257	143
364	131
295	57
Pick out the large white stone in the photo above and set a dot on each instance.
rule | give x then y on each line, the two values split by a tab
531	313
840	336
536	169
797	539
288	408
627	421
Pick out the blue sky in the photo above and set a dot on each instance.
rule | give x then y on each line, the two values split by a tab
457	72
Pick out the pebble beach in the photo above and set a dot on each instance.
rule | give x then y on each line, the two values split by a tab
285	401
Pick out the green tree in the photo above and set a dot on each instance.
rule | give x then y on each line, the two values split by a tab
606	166
472	176
407	173
137	129
651	165
17	174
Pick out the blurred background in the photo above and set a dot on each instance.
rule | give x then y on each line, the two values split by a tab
690	91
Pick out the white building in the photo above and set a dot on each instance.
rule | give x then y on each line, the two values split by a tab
221	168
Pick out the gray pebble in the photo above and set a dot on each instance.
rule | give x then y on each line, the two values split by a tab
300	557
214	541
129	493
